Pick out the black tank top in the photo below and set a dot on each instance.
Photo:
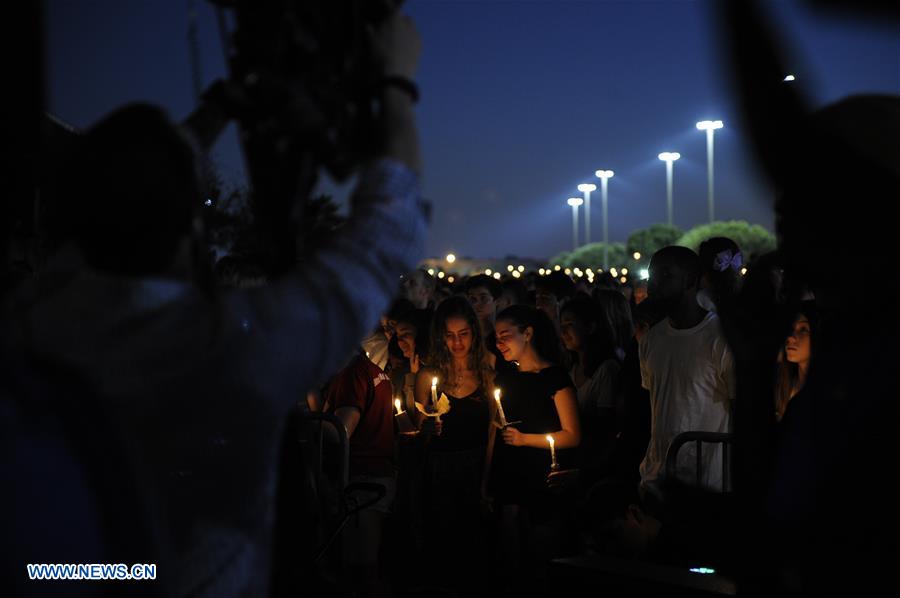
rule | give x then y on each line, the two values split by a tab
465	427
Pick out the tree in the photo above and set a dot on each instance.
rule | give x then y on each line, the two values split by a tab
648	241
561	259
591	256
753	239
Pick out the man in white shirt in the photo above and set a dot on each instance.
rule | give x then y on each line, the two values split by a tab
688	368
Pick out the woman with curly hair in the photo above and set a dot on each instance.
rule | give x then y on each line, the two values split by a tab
454	460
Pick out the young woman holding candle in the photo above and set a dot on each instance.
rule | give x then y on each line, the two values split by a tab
538	401
454	460
411	333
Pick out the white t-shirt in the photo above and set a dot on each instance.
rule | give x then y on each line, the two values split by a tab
599	391
690	376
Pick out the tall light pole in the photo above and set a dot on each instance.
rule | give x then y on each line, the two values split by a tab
669	158
586	188
710	126
574	202
604	176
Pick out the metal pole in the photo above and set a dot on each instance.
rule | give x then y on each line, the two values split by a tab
587	217
669	168
574	228
709	155
603	190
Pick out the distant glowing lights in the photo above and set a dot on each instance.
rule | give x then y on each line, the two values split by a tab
451	258
705	125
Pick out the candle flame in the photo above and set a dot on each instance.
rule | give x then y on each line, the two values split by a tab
497	394
434	382
550	440
397	405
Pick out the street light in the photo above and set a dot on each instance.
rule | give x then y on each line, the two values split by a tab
604	176
574	202
710	127
669	158
586	188
451	258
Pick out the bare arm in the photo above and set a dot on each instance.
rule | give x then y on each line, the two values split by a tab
397	45
568	437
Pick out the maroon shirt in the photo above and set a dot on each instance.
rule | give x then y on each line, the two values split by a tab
365	386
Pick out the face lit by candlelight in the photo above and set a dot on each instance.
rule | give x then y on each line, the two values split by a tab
512	342
458	337
406	338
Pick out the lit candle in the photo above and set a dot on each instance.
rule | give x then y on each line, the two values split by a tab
397	405
553	463
500	407
434	397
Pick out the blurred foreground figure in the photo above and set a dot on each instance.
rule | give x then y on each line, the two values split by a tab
807	491
200	385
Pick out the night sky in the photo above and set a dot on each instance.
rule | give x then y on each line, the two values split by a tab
521	102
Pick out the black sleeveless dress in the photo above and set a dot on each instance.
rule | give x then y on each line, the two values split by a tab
519	473
454	465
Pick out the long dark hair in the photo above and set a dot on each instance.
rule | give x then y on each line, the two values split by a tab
616	316
439	356
421	320
545	339
787	376
600	345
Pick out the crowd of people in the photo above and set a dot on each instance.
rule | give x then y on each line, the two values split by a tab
324	430
555	418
